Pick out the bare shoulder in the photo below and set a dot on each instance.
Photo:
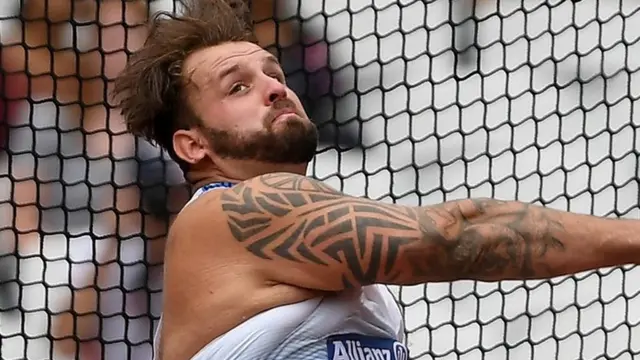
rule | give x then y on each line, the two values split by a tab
290	182
198	217
241	211
277	194
293	229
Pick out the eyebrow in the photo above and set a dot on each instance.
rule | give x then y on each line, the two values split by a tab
227	71
235	68
272	59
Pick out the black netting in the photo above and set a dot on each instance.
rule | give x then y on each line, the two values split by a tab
418	102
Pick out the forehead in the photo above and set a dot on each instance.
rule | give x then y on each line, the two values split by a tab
204	63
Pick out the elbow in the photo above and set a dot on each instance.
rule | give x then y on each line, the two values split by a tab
449	221
473	254
468	243
462	240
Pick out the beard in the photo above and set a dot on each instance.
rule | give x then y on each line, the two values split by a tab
293	141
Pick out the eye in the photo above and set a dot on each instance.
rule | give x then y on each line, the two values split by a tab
237	87
279	77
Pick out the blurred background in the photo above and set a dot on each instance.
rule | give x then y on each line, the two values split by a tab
418	102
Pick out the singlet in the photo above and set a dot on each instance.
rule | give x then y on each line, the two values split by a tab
363	325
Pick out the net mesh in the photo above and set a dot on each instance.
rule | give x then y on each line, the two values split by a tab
418	102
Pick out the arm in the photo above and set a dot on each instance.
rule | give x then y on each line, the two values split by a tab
313	236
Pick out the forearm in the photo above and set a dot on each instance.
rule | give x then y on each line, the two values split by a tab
492	240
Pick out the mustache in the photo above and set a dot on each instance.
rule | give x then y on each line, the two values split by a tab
278	107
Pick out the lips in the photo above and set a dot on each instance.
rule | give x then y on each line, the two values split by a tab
280	113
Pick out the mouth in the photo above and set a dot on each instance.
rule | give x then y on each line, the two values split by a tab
283	114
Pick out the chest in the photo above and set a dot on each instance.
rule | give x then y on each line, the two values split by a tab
332	327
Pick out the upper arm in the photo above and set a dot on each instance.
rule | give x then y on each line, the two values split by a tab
313	236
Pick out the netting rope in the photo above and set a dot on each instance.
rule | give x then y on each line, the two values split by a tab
418	102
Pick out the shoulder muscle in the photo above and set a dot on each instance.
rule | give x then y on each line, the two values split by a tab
315	236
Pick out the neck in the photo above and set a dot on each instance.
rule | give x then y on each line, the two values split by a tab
237	174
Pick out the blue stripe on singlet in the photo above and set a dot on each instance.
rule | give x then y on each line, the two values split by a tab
209	187
216	185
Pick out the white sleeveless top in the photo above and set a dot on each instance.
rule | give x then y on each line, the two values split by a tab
363	325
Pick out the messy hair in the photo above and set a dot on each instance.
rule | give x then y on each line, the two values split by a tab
151	89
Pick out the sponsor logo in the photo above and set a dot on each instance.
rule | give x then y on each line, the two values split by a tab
361	347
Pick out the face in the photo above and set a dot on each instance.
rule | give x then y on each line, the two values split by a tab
247	112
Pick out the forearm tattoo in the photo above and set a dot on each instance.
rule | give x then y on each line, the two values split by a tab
377	242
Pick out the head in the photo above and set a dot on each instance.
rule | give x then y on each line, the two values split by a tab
202	89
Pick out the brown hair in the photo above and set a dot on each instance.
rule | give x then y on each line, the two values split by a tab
151	90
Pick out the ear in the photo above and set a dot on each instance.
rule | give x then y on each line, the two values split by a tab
189	146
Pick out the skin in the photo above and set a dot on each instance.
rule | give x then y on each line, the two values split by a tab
279	237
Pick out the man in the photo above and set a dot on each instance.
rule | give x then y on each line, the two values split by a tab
266	263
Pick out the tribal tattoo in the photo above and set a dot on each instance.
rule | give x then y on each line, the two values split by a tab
292	217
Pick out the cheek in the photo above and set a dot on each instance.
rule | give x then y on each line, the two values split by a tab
294	97
238	115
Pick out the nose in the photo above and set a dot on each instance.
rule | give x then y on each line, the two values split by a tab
275	90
